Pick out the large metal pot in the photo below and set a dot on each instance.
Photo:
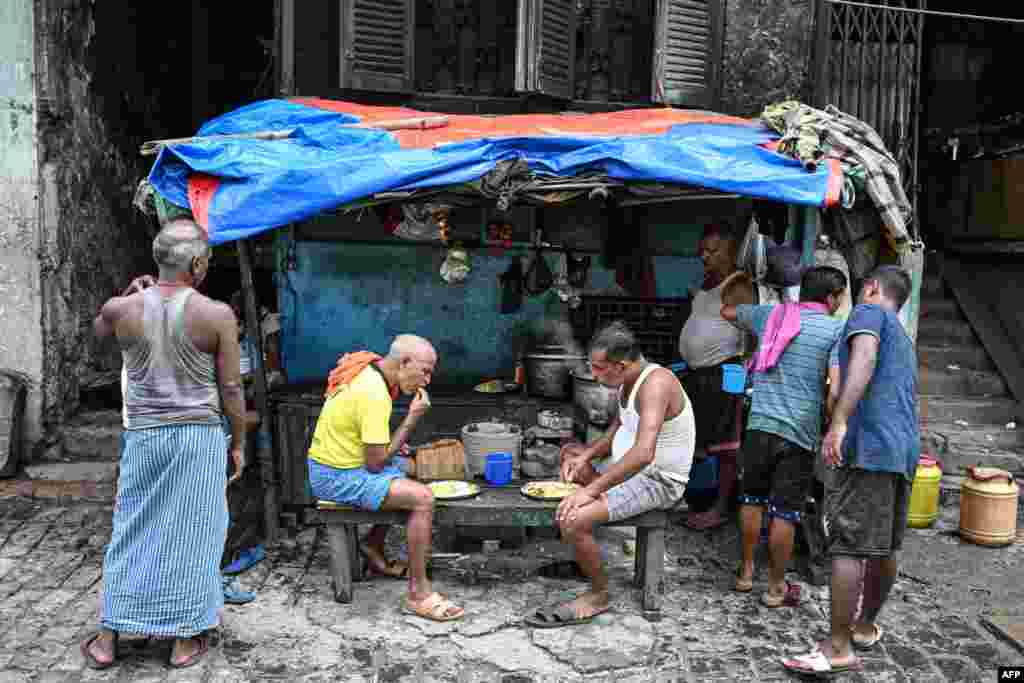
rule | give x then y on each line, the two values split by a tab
598	402
547	374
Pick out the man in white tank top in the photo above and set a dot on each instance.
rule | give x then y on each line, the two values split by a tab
641	464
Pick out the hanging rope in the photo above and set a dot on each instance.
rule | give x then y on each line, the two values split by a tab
912	10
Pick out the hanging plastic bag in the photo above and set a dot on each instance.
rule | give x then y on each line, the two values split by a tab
455	268
420	223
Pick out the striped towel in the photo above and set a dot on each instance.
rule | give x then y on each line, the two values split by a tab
161	573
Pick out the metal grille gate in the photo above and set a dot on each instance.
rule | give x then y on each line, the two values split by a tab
868	64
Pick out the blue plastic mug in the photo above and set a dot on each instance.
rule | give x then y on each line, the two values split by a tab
498	469
734	378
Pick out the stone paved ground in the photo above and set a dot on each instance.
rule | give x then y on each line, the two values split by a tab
50	561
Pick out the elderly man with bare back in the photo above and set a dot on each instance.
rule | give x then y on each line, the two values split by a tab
161	572
350	458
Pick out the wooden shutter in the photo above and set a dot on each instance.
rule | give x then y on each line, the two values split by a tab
377	45
688	52
546	47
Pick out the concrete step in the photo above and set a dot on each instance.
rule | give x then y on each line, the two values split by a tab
933	286
94	436
943	308
967	436
961	383
959	445
941	331
978	411
957	460
96	471
955	357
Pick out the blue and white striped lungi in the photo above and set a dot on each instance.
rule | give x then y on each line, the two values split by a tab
161	573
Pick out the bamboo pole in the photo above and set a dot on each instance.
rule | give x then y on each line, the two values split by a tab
152	147
264	450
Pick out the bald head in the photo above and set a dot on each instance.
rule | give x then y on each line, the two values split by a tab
410	346
177	245
410	363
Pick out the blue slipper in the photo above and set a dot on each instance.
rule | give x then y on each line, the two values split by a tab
234	595
247	559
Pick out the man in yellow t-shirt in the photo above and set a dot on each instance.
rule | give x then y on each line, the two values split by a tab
350	458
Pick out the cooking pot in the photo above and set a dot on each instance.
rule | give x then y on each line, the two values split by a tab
547	374
598	402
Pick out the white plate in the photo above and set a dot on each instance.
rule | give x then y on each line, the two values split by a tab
453	489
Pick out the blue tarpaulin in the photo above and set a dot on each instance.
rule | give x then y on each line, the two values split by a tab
333	156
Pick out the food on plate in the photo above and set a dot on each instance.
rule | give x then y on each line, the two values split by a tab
452	489
495	386
549	489
491	387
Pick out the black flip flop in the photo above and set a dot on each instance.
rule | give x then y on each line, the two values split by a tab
90	658
559	616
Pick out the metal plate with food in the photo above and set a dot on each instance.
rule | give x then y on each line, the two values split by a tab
548	490
453	489
496	386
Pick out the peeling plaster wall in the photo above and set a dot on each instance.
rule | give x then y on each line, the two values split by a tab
92	240
20	304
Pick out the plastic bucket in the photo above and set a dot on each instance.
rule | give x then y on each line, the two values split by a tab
734	378
498	469
481	438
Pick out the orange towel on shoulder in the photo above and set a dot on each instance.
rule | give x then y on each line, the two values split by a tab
348	368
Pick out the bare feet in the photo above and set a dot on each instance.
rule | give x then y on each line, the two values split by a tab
188	650
745	578
102	647
379	564
590	604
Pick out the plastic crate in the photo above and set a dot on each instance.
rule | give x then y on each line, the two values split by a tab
655	322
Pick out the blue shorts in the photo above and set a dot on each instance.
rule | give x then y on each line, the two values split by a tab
358	487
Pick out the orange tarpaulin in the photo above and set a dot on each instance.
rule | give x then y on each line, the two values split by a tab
462	127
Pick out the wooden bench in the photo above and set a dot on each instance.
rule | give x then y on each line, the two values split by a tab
494	507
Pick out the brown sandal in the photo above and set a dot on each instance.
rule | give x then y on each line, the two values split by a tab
434	607
193	659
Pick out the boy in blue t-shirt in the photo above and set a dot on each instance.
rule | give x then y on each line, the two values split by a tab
874	444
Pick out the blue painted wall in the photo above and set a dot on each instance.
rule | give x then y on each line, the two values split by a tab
344	296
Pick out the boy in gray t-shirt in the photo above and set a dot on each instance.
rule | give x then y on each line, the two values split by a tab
784	429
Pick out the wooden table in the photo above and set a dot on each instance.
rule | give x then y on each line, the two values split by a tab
495	506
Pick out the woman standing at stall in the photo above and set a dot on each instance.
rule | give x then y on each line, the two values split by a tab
708	341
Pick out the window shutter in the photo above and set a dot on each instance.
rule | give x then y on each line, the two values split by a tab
377	46
546	47
688	52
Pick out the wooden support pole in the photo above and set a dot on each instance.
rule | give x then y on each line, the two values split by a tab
264	450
